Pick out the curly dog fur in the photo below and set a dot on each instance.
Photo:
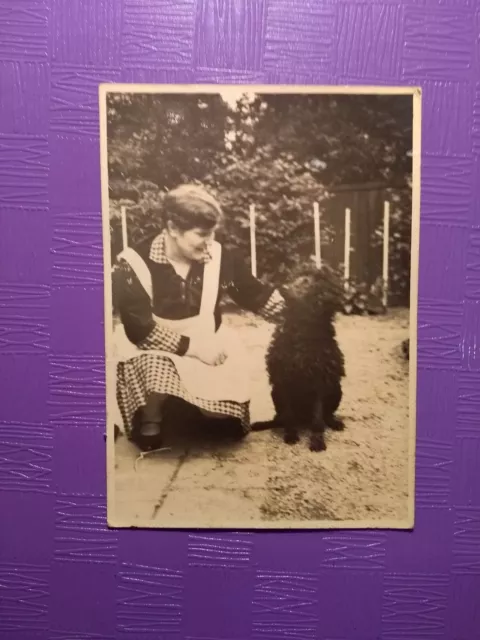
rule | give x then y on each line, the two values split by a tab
304	362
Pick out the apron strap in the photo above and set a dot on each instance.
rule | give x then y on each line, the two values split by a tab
140	268
211	281
211	276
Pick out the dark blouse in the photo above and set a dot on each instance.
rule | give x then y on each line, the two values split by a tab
175	298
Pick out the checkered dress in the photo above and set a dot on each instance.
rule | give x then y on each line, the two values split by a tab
148	373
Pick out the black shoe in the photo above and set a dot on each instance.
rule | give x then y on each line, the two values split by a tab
147	442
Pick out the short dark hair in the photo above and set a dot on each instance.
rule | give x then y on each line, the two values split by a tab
189	206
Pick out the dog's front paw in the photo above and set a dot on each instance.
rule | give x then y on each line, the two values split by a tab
336	424
291	437
317	443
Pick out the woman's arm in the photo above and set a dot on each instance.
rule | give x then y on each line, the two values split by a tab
136	314
251	294
272	310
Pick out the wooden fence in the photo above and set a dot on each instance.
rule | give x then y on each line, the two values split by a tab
353	215
362	261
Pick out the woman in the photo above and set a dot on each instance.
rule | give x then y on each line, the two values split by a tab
168	292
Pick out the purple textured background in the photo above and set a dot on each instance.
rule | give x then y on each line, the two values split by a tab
63	575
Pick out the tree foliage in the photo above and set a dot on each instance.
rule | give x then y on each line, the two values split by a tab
282	192
343	139
164	139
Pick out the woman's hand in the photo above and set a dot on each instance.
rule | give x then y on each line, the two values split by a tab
208	350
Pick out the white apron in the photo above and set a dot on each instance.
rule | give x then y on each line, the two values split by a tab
229	381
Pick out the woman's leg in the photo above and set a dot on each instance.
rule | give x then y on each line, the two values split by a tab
146	431
152	414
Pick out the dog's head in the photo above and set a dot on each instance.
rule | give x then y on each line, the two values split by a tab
319	289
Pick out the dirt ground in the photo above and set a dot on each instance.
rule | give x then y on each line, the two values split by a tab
363	475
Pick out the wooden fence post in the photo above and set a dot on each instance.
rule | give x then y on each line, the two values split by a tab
253	240
346	266
123	213
386	244
316	227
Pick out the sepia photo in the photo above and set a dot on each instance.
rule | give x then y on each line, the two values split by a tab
261	266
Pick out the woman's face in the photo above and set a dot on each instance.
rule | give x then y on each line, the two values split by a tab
193	244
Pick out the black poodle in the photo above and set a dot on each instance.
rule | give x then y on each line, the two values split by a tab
304	362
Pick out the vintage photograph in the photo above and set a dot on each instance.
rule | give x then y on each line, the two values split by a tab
261	267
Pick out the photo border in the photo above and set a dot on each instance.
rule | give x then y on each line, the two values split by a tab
408	522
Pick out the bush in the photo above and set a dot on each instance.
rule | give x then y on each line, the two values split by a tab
283	192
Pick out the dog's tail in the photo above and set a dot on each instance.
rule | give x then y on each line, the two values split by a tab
266	424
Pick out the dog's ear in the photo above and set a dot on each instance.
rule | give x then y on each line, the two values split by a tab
333	291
